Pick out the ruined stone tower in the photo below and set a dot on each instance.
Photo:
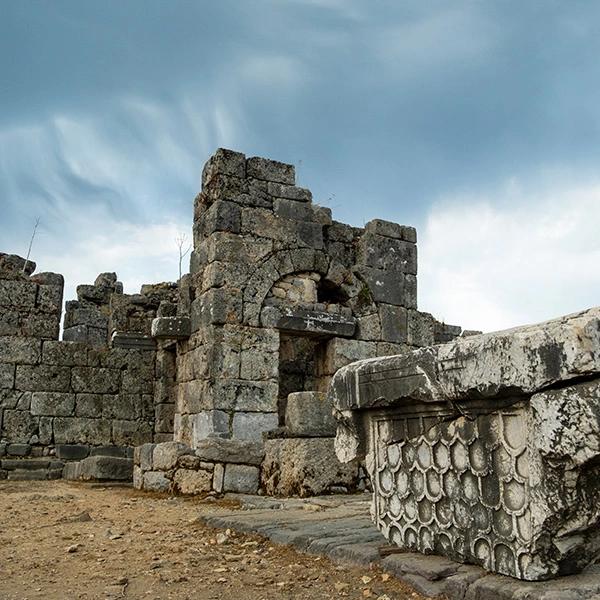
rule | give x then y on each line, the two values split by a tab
281	296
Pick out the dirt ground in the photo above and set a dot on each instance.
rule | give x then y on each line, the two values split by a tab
68	541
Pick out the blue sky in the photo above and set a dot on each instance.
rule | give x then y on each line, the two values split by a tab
477	122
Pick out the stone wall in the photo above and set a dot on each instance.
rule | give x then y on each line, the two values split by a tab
281	296
69	398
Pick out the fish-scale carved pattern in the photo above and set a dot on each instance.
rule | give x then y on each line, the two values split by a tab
458	488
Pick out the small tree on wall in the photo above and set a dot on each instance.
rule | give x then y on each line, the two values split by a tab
184	248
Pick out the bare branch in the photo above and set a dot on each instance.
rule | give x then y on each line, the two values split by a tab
181	240
37	222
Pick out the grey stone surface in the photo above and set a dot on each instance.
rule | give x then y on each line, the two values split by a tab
270	170
309	414
241	478
101	468
164	456
155	481
304	467
72	451
251	426
315	322
171	328
192	481
230	451
458	435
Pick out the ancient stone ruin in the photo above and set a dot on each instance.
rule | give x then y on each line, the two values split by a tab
485	449
279	296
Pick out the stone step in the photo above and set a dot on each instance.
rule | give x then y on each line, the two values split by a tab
30	464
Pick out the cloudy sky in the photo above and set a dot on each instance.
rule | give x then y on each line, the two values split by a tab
477	122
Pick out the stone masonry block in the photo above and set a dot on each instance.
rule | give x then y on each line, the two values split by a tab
171	328
225	162
95	380
341	352
309	414
156	481
392	230
217	306
230	451
188	481
164	457
221	216
131	433
270	170
420	328
394	323
66	354
78	430
49	298
50	378
292	209
390	287
20	351
388	254
242	479
18	426
18	294
251	426
7	376
89	405
209	423
52	404
289	192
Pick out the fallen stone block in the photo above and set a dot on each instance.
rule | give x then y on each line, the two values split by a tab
485	449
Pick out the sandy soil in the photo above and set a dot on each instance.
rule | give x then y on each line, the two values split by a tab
66	541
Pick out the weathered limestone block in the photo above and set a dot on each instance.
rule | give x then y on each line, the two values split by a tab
53	404
304	467
242	479
314	322
13	265
230	451
270	170
18	294
131	433
188	481
394	323
389	254
50	378
101	468
95	379
18	426
78	430
171	328
226	162
164	457
251	426
484	449
390	287
393	230
67	354
156	481
7	376
20	351
309	414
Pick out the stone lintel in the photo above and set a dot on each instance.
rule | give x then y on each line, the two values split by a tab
132	341
317	323
171	328
515	362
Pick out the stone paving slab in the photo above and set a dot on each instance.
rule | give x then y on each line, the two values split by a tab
340	528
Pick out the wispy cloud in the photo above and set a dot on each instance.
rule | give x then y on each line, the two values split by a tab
512	257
